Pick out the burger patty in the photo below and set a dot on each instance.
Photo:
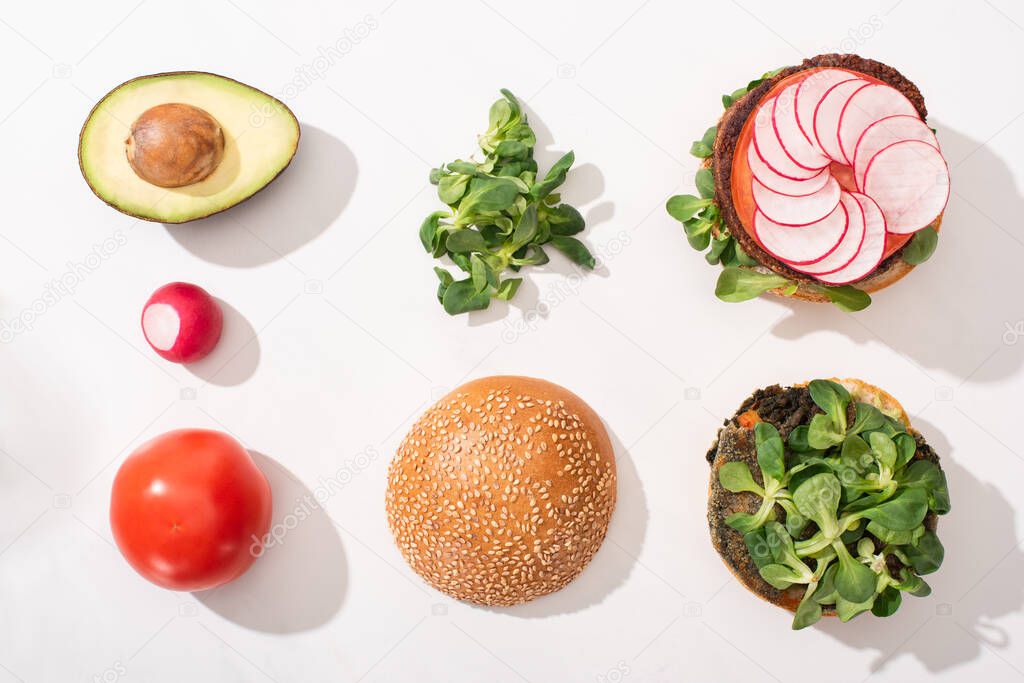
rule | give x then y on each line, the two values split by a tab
736	116
785	408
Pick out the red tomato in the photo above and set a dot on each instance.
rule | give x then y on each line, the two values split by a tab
189	509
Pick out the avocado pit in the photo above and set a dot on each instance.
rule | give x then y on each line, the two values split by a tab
174	145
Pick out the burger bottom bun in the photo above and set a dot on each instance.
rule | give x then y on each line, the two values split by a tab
736	443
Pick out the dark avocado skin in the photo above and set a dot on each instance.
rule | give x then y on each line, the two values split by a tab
785	408
731	124
99	102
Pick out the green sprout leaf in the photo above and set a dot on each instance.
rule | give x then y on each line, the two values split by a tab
575	250
847	298
927	476
704	147
554	178
683	207
735	477
466	240
770	452
868	418
462	296
757	546
927	555
921	247
823	433
705	182
740	284
832	398
903	512
508	288
451	188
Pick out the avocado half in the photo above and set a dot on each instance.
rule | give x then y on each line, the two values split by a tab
235	138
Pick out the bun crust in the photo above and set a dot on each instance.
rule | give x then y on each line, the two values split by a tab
893	268
502	491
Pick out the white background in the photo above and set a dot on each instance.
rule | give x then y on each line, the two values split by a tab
334	342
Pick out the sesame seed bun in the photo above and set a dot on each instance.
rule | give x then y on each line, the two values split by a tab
502	491
785	408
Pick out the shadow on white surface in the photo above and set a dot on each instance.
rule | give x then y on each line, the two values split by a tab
237	354
978	582
300	581
290	212
952	311
531	303
613	562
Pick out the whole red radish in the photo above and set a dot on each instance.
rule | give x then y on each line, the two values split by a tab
190	509
182	322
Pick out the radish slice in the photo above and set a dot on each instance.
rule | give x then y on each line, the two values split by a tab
809	92
797	211
804	245
770	149
794	143
866	106
910	182
885	132
848	247
871	250
776	183
826	117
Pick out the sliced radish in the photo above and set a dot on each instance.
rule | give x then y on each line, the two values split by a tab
826	116
885	132
777	183
867	105
796	211
794	143
770	149
871	249
182	322
910	182
809	92
803	245
848	247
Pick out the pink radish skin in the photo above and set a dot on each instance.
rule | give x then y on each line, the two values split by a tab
885	132
182	322
794	144
866	106
871	250
910	182
848	247
776	183
769	148
809	92
796	211
803	245
827	113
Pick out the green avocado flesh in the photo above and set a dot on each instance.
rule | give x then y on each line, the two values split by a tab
260	138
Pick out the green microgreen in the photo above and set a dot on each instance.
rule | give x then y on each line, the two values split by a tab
501	213
921	246
853	495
